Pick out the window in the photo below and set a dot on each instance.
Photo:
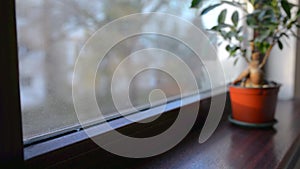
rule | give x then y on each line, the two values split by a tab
9	110
51	34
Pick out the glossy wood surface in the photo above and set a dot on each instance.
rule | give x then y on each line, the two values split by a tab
230	147
239	148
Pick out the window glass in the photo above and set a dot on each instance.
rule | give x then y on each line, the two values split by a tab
51	34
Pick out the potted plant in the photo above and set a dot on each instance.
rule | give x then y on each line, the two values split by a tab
253	99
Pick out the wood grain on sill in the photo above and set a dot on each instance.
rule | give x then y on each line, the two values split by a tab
236	147
229	147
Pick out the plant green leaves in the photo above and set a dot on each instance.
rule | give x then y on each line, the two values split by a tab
262	46
286	8
235	61
232	49
195	3
280	45
221	26
206	10
211	7
264	34
262	14
235	18
271	20
254	2
283	34
251	21
222	16
234	3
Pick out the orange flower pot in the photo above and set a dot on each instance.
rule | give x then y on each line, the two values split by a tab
253	105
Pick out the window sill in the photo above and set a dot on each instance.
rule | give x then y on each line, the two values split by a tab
229	147
63	149
236	147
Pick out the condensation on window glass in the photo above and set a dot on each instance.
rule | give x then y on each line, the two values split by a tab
51	34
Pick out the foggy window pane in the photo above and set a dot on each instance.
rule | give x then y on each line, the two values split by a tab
50	36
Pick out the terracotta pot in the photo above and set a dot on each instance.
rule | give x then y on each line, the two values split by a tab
253	105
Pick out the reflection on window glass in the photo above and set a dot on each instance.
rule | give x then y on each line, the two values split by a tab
50	36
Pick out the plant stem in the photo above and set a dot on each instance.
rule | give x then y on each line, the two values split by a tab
266	56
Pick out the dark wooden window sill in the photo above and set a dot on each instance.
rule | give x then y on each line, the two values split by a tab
236	147
77	148
229	147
